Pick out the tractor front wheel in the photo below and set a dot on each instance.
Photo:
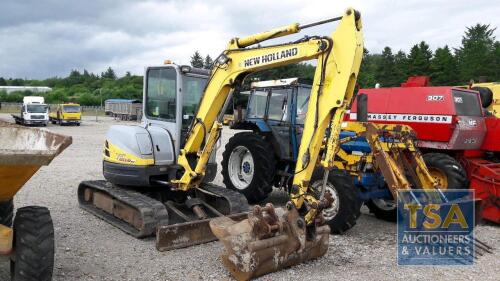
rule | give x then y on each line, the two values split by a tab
33	257
345	209
248	166
446	170
383	209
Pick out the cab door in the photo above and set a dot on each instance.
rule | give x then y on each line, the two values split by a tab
278	115
161	110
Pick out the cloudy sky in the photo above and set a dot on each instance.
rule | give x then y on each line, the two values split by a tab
40	39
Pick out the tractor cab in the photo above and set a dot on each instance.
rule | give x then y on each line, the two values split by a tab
278	108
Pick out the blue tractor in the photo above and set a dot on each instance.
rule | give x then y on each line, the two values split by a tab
263	156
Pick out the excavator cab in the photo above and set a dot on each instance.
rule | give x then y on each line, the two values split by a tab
145	155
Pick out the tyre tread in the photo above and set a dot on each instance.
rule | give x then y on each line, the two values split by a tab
34	244
264	165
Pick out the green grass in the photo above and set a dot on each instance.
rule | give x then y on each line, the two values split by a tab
9	110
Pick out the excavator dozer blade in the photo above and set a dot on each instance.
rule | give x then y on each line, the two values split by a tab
182	235
268	241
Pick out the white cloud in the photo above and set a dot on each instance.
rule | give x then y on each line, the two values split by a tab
46	38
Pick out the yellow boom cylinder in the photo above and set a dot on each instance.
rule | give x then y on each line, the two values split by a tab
266	35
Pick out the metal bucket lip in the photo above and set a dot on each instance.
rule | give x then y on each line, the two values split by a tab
55	144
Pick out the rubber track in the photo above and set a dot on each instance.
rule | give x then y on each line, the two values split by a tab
237	202
151	211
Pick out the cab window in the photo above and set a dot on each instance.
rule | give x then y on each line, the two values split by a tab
71	108
257	104
302	103
192	89
466	103
161	93
277	105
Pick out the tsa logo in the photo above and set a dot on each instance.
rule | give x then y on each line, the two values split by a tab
435	228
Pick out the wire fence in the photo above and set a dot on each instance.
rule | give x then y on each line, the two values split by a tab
87	110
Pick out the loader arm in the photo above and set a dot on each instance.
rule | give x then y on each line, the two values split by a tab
338	62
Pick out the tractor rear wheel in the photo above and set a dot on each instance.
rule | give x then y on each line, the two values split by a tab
345	209
6	212
248	166
33	257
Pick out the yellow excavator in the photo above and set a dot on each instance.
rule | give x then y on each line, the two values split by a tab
157	173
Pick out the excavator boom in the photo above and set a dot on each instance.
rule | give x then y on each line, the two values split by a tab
274	238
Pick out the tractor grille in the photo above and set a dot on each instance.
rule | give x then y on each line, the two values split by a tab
37	116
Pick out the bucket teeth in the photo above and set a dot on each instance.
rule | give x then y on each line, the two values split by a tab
268	240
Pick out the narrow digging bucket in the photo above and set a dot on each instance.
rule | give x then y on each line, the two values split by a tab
267	241
22	152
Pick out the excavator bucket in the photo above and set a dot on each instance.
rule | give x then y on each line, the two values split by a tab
268	240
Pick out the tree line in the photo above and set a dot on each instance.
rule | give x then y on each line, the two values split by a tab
477	58
85	88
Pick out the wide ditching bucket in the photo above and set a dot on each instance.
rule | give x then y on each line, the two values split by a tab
268	240
22	152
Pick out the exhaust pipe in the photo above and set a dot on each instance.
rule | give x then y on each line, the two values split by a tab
362	108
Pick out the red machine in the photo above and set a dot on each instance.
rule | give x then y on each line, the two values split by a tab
449	121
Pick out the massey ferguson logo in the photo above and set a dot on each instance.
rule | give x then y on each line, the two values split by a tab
419	118
271	57
472	122
459	100
435	98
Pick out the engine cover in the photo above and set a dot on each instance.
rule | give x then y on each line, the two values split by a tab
133	154
138	146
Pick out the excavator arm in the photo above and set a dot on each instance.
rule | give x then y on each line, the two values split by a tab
338	61
273	238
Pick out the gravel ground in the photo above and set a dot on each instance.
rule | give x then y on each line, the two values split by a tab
87	248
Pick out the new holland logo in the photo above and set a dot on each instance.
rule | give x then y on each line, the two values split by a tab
271	57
